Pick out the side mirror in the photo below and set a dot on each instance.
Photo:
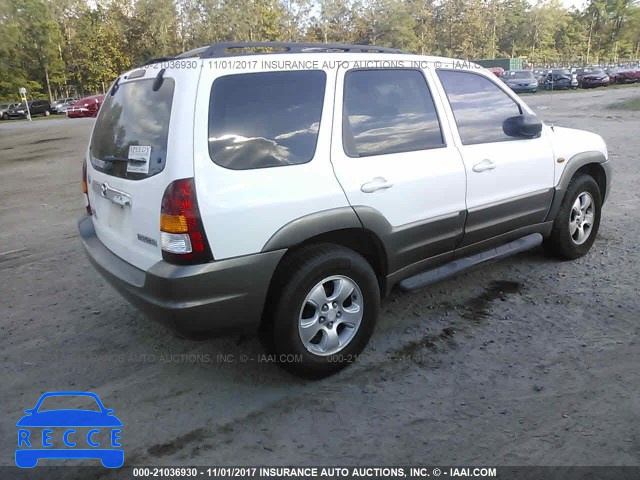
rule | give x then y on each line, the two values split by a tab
522	126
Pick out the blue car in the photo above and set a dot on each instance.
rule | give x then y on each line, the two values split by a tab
31	448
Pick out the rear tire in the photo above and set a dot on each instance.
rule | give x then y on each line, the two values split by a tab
327	299
576	225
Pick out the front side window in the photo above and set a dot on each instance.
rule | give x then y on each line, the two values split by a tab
479	106
388	111
270	119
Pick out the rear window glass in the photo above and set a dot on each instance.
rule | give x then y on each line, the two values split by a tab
271	119
134	116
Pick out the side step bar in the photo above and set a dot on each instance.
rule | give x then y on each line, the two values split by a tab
456	266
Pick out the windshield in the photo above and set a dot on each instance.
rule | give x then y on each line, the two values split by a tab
518	75
136	116
594	70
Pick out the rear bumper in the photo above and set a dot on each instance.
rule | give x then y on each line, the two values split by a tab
216	297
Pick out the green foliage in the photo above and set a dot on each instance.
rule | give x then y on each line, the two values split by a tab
78	47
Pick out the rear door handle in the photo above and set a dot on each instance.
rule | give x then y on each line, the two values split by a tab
376	184
484	165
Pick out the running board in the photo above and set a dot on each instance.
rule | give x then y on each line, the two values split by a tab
456	266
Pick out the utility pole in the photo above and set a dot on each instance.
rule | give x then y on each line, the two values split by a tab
589	41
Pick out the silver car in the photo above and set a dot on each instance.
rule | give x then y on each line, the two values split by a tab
4	107
61	105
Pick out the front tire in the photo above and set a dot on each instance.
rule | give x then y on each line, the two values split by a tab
576	225
327	301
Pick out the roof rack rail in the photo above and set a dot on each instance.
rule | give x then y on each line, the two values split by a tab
226	49
156	60
196	52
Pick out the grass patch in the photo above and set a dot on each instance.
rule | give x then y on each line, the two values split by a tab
630	104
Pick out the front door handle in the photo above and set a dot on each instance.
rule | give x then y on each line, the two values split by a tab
484	165
376	184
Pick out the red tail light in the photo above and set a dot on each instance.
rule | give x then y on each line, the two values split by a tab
85	187
182	233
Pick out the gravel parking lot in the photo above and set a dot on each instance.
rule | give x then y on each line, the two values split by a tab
527	361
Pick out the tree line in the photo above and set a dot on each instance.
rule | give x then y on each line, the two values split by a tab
57	48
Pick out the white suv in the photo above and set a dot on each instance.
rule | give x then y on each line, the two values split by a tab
287	190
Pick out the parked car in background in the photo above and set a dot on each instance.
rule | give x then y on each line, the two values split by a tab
540	75
86	107
520	81
497	71
61	103
593	77
62	110
560	79
4	107
36	107
623	74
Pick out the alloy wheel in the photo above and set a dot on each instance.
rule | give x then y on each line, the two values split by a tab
581	218
330	315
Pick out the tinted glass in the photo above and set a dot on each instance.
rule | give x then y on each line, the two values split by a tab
271	119
479	106
135	115
518	75
388	111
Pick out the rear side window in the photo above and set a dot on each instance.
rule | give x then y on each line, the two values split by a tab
271	119
134	116
479	106
388	111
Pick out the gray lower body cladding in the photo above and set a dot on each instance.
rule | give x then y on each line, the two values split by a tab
456	266
489	221
215	297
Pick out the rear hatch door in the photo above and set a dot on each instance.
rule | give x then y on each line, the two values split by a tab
141	142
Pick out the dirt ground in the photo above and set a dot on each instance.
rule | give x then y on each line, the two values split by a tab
527	361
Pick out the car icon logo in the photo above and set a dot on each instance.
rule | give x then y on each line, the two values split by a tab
69	433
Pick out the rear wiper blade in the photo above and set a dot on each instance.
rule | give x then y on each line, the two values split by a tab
111	158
